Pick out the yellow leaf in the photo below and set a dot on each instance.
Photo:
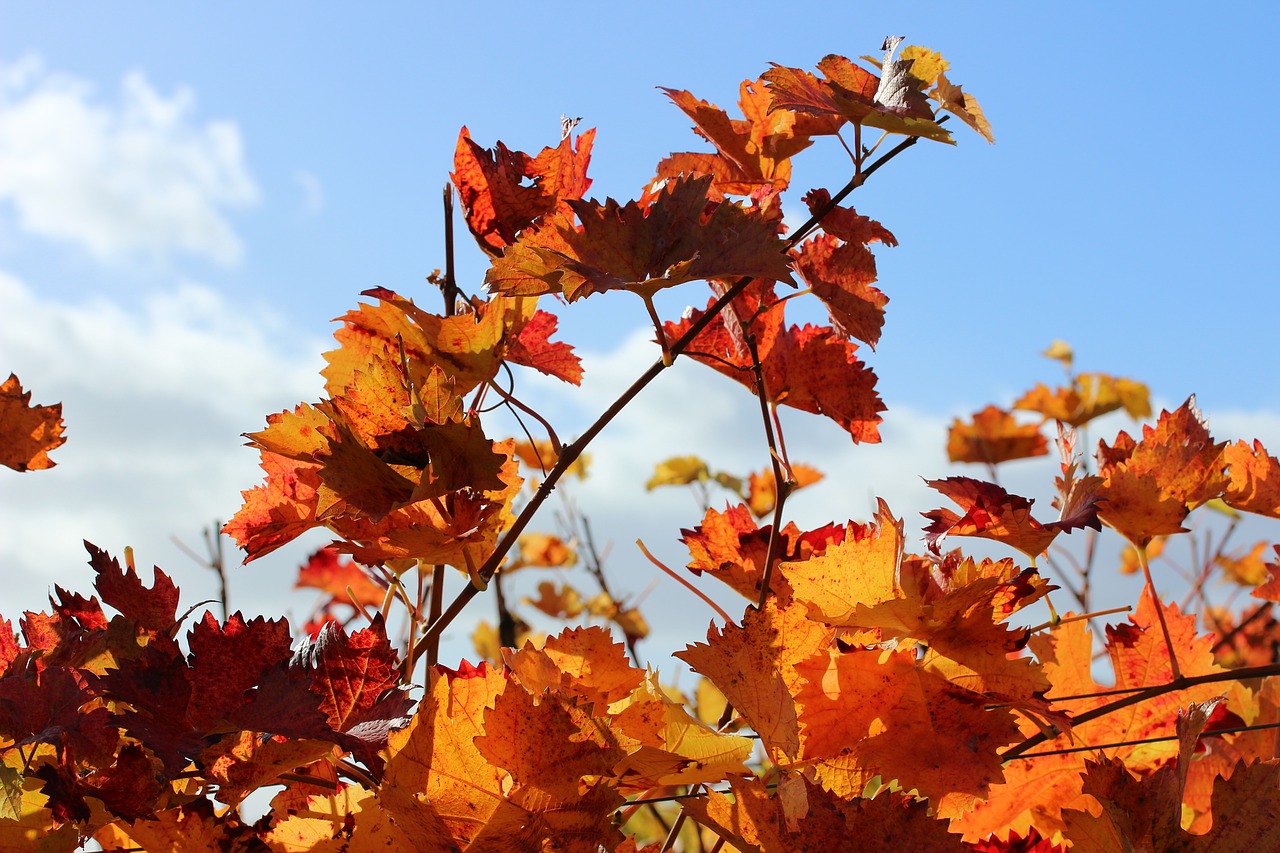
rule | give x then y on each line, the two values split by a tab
678	471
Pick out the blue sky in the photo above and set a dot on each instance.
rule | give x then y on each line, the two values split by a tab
189	195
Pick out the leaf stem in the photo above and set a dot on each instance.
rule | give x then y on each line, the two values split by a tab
684	582
1155	596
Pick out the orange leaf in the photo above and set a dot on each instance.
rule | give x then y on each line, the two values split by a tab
559	600
870	712
327	571
543	549
1037	789
752	153
1255	479
279	510
504	191
992	513
894	103
756	820
1150	486
644	249
811	368
754	665
993	437
840	274
1089	396
762	489
583	662
1271	589
27	433
438	786
533	348
548	745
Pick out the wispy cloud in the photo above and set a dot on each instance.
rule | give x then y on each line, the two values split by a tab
155	400
139	174
312	192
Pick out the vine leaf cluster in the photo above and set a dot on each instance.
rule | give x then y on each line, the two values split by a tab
859	694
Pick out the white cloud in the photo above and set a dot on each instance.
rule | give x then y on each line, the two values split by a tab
137	176
154	401
312	192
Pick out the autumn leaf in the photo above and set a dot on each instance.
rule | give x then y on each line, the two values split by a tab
992	437
556	751
811	368
532	347
1151	485
27	432
469	347
541	457
954	609
753	154
865	713
343	580
841	274
505	191
755	819
584	662
730	547
1037	789
643	249
1147	812
1271	589
153	608
762	487
1255	479
992	513
1090	395
545	550
894	103
560	600
438	786
678	471
666	745
278	511
754	665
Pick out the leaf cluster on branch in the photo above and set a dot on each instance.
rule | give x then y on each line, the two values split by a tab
861	697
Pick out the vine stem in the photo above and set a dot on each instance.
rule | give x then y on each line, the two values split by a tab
1155	596
1182	682
573	450
782	485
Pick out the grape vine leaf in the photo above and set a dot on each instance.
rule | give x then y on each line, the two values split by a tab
1151	485
673	239
753	154
894	103
1255	479
992	437
1089	396
27	432
992	513
503	192
811	368
841	275
756	820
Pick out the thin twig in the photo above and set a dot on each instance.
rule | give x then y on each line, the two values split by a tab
1181	683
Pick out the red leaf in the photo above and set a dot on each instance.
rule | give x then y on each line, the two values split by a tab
154	608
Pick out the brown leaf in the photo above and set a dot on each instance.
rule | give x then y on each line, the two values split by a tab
27	433
644	249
